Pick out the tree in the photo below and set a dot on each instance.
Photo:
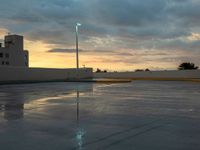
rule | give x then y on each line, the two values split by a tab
105	71
139	70
98	70
187	66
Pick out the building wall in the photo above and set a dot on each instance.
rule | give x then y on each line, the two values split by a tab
23	74
15	42
182	74
13	53
4	57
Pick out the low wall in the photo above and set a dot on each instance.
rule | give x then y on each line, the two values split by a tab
182	74
22	74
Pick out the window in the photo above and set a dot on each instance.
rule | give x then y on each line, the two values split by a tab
2	62
1	55
7	55
7	63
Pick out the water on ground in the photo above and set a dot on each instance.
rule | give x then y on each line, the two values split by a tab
153	115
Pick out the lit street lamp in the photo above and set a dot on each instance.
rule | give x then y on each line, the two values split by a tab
77	57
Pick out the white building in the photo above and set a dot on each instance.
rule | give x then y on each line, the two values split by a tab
13	53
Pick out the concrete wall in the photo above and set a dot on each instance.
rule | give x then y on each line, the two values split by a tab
23	74
182	74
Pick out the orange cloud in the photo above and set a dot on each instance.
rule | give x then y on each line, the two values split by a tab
194	37
3	32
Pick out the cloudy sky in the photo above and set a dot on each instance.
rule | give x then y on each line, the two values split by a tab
115	34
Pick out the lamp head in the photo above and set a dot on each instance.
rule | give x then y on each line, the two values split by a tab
78	24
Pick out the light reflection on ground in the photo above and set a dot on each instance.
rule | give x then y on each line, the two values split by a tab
137	115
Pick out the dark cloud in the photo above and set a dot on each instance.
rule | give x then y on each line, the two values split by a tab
57	50
186	12
53	36
108	25
173	45
130	12
107	52
155	18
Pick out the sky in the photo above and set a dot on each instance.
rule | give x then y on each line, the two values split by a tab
117	35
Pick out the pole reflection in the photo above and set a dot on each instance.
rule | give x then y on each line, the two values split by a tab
80	132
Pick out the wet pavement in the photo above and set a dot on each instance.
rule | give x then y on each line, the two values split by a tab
139	115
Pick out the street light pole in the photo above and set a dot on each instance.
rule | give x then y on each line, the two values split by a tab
77	55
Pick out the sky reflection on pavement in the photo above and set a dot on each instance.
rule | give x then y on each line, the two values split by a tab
137	115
